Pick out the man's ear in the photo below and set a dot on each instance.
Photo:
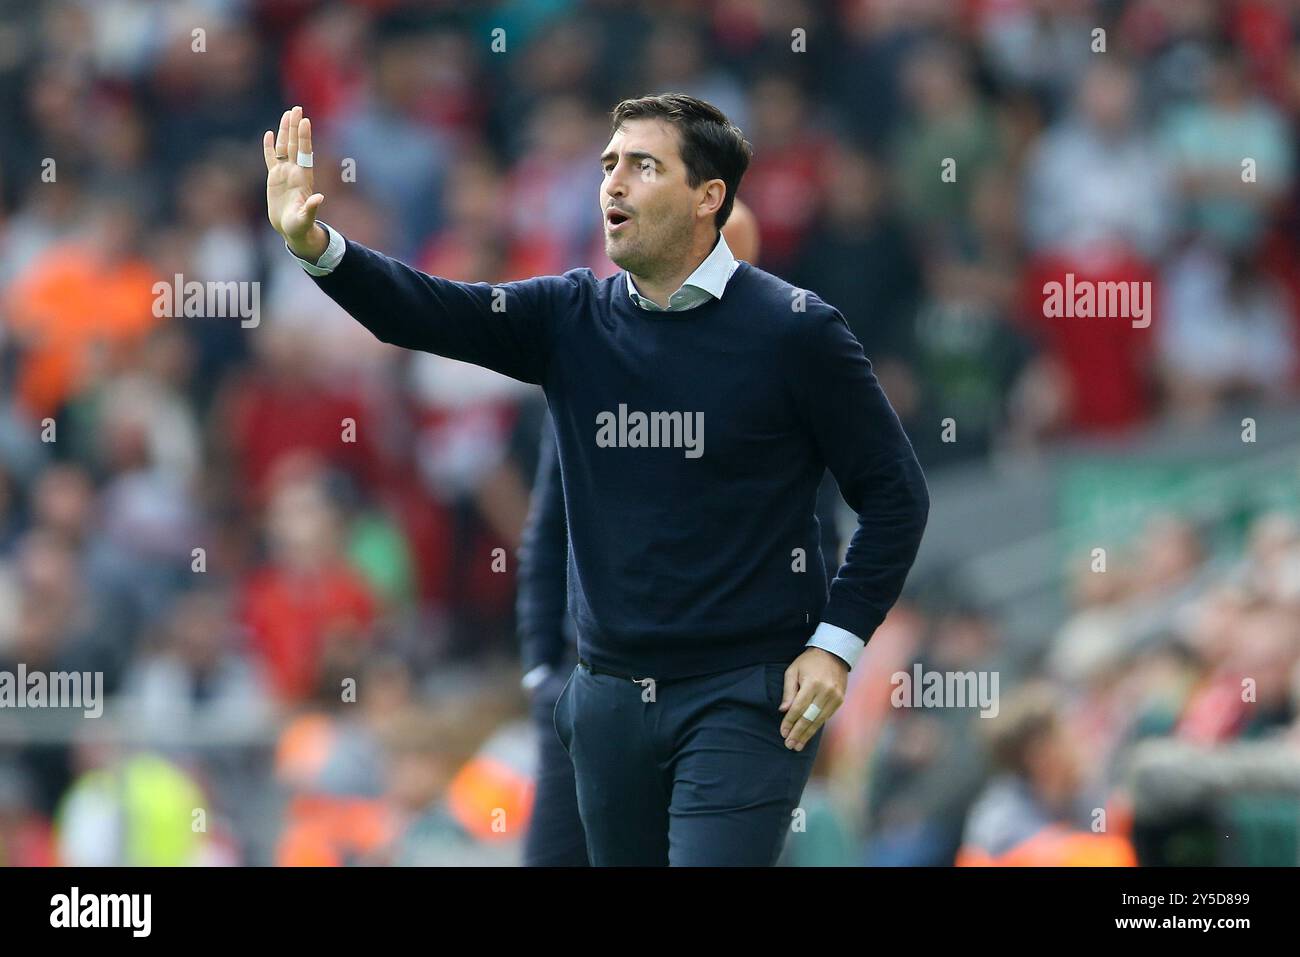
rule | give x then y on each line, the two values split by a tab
715	191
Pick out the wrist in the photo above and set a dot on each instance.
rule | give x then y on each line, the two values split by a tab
836	641
312	246
833	656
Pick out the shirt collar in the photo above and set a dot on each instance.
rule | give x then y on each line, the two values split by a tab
709	276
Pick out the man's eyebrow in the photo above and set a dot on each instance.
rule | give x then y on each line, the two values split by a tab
635	154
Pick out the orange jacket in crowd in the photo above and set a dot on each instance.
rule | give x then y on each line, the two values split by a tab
65	308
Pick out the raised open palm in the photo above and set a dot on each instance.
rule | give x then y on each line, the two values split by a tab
290	203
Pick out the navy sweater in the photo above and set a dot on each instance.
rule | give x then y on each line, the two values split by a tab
691	445
542	602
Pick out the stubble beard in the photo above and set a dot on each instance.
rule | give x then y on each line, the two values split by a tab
648	259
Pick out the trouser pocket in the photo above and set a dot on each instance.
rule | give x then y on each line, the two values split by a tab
561	716
774	683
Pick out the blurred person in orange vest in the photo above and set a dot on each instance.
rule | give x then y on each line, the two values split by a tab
74	306
458	799
402	783
330	760
1032	813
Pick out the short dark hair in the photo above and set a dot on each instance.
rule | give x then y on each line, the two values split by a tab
712	147
1030	715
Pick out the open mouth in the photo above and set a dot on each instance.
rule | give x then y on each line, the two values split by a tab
614	218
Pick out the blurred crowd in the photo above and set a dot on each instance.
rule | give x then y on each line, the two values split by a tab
293	547
1174	642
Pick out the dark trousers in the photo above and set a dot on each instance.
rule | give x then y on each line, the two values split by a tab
555	837
695	775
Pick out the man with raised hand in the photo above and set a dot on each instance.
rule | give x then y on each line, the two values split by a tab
697	401
555	836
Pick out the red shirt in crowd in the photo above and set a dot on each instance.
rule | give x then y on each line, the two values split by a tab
291	616
1107	360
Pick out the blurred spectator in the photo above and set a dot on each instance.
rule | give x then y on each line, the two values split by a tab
1092	374
1248	692
967	351
460	800
1099	178
1212	142
26	839
1032	813
1226	332
1034	44
949	139
198	673
786	175
284	404
859	255
308	611
136	811
76	303
484	240
551	193
396	782
913	819
400	161
676	58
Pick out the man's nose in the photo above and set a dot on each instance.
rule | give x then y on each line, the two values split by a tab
616	185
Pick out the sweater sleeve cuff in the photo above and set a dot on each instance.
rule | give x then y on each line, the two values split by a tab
843	644
329	259
535	676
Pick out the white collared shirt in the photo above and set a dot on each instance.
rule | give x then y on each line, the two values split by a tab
708	281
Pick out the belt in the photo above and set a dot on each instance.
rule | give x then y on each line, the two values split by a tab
584	663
